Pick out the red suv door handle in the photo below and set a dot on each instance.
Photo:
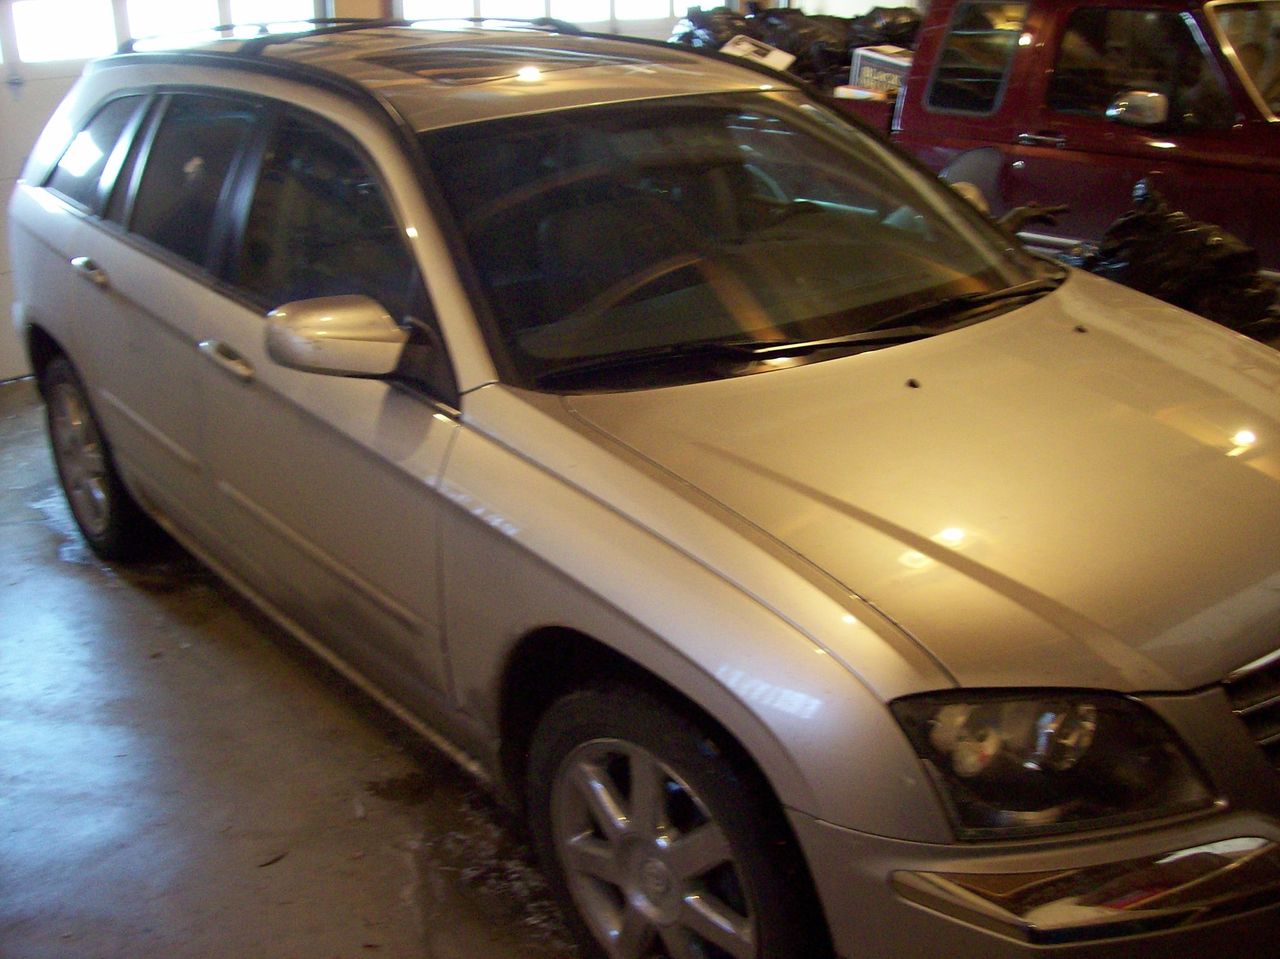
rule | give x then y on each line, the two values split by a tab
1042	140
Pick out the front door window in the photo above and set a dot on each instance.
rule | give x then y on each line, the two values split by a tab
1108	52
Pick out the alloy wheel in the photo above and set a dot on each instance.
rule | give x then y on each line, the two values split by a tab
651	871
81	460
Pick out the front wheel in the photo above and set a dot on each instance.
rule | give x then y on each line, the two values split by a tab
109	519
662	843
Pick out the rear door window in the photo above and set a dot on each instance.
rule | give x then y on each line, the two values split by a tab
79	175
976	56
186	172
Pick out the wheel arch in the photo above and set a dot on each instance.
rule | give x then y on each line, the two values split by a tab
42	349
551	662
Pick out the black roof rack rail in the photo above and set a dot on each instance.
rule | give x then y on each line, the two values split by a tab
263	25
321	26
540	23
255	45
318	27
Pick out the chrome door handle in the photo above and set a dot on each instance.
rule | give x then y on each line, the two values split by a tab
1042	140
90	271
224	357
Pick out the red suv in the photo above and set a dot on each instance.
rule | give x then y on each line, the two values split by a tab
1073	101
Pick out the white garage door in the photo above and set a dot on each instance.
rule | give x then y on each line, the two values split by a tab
26	100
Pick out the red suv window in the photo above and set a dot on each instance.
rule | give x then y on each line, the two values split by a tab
976	56
1108	52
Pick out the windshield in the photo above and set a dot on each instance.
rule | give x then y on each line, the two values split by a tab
658	229
1253	31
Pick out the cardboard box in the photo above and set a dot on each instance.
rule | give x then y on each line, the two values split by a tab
880	68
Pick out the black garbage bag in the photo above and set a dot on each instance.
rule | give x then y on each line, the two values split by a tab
1197	266
819	43
712	29
822	45
881	25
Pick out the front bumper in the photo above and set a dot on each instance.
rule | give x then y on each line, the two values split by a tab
1203	887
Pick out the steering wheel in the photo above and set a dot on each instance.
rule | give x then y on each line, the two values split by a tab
618	291
580	176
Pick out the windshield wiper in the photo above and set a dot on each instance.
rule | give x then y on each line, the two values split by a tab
901	327
648	356
910	324
738	352
952	306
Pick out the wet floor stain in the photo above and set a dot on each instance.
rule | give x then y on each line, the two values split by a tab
71	547
176	572
484	863
171	572
472	858
413	789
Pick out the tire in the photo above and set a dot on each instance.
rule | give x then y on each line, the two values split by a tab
112	523
658	842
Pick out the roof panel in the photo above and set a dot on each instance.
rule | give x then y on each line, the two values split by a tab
441	77
437	77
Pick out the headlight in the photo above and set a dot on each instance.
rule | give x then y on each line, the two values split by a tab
1029	763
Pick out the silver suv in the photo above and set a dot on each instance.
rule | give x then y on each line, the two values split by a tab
821	573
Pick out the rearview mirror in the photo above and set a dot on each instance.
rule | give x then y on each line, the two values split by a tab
1139	108
344	335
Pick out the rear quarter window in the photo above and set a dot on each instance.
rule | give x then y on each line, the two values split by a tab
82	174
976	56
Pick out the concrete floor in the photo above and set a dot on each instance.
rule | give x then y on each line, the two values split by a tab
178	779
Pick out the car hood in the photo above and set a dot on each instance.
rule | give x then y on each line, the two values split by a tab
1081	492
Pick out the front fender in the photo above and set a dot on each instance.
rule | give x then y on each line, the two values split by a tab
525	548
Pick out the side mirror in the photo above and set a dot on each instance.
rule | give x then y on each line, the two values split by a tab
1139	108
344	335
